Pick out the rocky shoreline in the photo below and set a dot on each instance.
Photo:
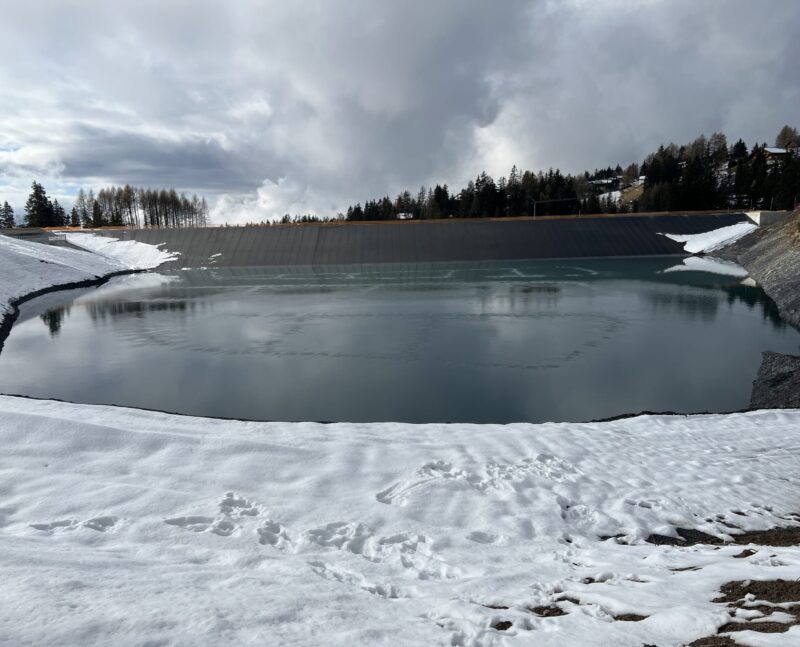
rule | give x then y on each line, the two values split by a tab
777	384
771	254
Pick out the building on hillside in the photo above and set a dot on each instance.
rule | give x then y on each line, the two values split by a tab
607	183
775	154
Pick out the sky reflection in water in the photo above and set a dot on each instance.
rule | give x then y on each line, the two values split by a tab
495	342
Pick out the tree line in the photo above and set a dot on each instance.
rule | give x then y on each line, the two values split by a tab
705	174
702	175
115	206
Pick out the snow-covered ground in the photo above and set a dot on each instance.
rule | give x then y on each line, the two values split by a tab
27	267
127	527
610	196
713	240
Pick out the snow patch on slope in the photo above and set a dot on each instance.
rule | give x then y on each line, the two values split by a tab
27	267
130	253
712	240
181	530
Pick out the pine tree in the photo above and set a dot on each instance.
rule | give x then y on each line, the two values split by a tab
38	208
738	151
75	217
97	214
58	215
6	216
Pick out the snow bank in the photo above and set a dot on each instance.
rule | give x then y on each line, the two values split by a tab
137	527
712	240
27	267
132	254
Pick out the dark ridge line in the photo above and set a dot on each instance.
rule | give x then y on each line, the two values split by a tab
10	317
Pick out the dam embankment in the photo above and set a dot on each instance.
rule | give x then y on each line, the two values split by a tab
429	241
771	254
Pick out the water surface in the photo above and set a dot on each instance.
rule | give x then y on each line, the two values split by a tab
494	342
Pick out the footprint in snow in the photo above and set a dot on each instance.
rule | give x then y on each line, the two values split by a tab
410	551
237	506
481	537
233	507
66	524
388	591
434	471
495	477
275	534
101	524
221	527
98	524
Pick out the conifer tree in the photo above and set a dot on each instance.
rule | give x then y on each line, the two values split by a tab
58	215
6	216
97	214
38	208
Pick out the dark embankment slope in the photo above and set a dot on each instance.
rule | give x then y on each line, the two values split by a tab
771	254
431	241
778	382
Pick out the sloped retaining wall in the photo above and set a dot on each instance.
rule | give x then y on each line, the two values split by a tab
419	242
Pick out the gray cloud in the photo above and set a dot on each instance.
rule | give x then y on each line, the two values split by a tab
268	106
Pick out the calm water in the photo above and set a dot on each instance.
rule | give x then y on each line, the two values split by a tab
533	341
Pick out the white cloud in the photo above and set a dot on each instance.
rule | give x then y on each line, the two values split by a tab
270	201
268	107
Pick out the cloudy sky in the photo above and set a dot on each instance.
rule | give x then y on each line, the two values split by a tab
271	106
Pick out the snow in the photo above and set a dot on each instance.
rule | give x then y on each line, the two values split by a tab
612	196
132	527
132	254
708	264
713	240
27	267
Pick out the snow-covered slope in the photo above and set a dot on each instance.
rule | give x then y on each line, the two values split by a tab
130	253
127	527
713	240
27	267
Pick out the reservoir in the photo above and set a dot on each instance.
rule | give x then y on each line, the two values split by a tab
511	341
